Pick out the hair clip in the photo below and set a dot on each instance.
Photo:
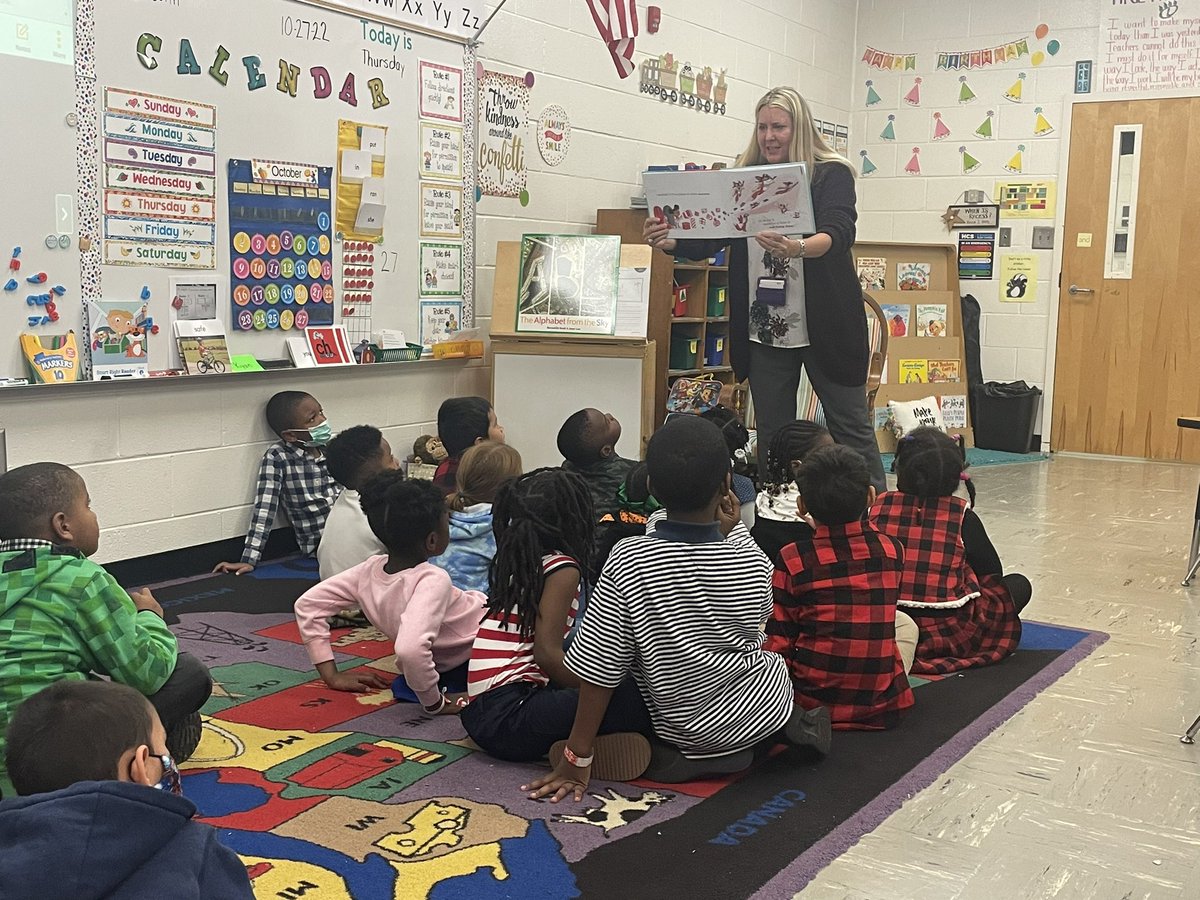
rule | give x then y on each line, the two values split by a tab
963	476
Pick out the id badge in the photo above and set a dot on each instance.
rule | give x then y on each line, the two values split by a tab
771	291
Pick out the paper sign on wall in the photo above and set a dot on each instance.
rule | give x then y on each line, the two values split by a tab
441	270
373	141
356	165
503	115
441	91
1018	277
441	210
441	151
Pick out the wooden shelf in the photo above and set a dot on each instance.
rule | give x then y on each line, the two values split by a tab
706	370
686	320
716	318
672	373
690	267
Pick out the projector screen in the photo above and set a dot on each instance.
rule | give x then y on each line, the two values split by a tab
38	29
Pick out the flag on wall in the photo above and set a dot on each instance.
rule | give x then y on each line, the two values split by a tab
880	59
616	20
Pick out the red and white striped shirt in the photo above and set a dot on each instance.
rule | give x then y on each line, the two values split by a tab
500	656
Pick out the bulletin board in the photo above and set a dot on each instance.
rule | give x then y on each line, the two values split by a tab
320	108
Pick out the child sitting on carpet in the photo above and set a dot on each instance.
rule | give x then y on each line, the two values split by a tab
463	422
523	697
778	521
411	601
737	438
62	617
353	457
588	443
835	618
953	584
293	473
485	468
682	609
100	812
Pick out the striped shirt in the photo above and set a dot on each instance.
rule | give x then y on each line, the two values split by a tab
683	610
500	655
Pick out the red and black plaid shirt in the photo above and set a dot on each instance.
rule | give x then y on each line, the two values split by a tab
965	620
834	620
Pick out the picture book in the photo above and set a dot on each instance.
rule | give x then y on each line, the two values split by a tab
300	353
329	345
897	315
913	371
882	414
120	333
728	203
943	370
954	411
931	320
872	273
568	283
912	276
202	346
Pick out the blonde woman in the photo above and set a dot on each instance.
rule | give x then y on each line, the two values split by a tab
816	323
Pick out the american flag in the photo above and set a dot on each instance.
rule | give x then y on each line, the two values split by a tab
617	23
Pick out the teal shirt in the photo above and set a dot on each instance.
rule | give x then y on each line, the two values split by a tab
63	616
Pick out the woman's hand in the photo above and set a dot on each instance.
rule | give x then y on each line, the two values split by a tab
778	245
655	233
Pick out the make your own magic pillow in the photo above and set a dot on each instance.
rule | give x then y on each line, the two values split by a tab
905	415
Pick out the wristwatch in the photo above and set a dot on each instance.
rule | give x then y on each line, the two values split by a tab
579	762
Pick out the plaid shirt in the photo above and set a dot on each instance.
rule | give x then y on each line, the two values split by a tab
290	475
63	616
834	621
966	620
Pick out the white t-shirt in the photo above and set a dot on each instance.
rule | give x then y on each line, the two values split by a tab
347	539
777	326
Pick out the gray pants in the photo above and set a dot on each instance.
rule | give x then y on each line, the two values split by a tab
774	381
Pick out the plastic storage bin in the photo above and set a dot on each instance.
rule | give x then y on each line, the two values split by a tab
1005	415
684	350
717	294
679	301
714	350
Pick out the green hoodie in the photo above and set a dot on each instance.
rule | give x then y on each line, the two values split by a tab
63	616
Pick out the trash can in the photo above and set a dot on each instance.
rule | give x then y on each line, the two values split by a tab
1004	415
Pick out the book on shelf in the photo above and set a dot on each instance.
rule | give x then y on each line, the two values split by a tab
912	276
913	371
954	410
944	370
897	315
872	272
202	346
931	320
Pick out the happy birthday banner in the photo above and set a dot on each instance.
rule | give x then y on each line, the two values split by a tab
975	59
878	59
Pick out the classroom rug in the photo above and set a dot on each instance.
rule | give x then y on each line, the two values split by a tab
978	458
338	795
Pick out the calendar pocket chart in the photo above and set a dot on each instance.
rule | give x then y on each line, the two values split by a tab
281	245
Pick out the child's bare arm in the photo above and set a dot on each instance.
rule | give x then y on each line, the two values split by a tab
557	594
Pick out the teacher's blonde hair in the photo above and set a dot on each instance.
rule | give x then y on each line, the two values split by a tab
807	144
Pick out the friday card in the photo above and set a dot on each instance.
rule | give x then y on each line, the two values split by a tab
726	203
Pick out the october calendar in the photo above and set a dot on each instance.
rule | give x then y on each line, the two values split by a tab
281	246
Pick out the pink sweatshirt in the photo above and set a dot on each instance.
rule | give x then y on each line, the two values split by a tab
432	622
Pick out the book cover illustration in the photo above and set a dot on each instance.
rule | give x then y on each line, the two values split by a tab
872	273
931	320
120	332
954	411
897	315
693	395
914	371
943	370
912	276
568	283
330	346
202	346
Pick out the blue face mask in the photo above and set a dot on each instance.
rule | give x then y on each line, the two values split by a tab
171	781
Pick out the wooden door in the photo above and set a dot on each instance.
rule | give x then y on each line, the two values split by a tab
1127	363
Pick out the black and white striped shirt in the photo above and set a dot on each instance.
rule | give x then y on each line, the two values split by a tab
683	610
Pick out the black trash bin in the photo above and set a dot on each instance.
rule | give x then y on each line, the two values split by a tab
1004	415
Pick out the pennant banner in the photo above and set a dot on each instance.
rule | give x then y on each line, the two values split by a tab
879	59
990	56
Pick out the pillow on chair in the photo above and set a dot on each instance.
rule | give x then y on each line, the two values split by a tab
906	415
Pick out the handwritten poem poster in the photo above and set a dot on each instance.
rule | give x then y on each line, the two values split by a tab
503	118
1150	46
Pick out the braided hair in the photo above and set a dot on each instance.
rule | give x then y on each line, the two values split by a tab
544	511
931	463
793	442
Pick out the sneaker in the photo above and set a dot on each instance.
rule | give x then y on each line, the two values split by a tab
810	729
184	737
623	756
669	766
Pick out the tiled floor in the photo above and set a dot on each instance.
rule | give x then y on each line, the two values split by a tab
1087	792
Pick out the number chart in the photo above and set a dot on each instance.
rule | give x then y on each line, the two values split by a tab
281	246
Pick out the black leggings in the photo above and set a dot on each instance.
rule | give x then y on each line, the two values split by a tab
1019	589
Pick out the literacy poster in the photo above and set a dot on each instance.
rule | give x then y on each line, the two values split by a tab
441	270
281	248
568	283
727	203
159	181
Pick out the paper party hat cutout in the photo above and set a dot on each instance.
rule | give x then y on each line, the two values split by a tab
985	129
867	166
1014	164
1041	125
1014	92
872	94
913	97
889	130
914	164
940	129
969	163
965	94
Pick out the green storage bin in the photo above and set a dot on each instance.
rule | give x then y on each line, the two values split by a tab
717	295
685	349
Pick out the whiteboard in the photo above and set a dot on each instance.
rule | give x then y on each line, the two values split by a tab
283	77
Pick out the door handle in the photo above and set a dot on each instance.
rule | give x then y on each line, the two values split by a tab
1076	289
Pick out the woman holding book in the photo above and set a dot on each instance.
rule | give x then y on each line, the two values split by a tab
796	302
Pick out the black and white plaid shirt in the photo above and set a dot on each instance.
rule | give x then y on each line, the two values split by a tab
291	475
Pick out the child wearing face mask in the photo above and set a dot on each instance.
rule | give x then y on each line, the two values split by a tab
100	811
293	473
